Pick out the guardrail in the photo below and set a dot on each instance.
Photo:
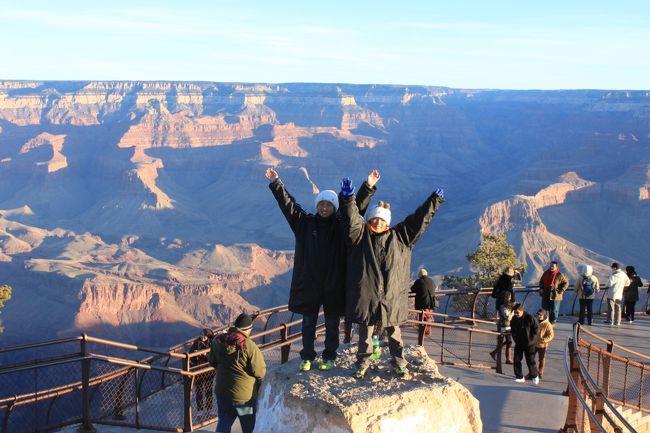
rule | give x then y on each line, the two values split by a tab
122	384
593	390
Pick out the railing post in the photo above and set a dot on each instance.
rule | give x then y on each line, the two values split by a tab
286	349
421	328
607	361
187	395
499	350
86	426
571	422
474	303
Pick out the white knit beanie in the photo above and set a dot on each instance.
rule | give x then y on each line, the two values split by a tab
329	196
379	212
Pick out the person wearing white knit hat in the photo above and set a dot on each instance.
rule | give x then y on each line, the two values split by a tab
318	277
378	267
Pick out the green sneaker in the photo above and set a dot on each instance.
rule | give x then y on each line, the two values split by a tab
360	373
305	365
401	372
326	365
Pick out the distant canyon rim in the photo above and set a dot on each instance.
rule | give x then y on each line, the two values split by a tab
140	211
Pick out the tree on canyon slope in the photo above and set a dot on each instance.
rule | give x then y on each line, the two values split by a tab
493	254
5	295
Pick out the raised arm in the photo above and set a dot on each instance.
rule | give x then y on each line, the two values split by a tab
414	225
290	209
367	190
351	221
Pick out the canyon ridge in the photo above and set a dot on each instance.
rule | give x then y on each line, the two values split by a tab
139	210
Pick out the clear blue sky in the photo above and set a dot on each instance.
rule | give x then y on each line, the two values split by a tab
471	44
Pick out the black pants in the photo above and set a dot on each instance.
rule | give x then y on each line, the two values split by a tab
529	353
628	313
585	304
309	322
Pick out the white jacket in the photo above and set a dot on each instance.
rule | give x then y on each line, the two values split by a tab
616	282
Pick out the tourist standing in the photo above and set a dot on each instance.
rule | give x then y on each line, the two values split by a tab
240	368
425	298
631	293
377	275
616	282
504	298
586	287
544	338
551	287
524	332
203	382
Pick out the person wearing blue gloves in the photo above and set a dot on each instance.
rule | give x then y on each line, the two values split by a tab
318	277
379	263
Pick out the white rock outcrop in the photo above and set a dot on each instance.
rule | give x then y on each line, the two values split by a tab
334	402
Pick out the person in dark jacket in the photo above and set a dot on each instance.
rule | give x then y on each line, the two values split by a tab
425	298
504	299
318	277
203	382
240	368
525	330
631	293
378	270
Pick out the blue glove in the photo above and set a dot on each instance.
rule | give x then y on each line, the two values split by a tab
346	187
440	192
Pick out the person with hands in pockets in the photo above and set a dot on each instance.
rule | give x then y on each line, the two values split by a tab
318	277
379	262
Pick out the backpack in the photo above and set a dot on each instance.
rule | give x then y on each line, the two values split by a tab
587	286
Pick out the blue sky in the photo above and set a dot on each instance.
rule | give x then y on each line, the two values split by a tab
468	44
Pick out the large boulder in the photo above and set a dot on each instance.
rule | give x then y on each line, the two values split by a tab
334	402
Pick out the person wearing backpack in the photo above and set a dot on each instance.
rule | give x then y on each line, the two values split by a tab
586	288
425	298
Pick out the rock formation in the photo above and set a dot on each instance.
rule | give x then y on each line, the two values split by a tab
334	402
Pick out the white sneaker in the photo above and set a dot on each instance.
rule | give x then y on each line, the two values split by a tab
520	380
536	380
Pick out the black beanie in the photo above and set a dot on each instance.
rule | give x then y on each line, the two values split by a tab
244	322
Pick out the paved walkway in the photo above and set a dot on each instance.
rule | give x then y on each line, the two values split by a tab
509	407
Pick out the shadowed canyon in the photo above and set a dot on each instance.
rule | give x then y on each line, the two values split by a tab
140	211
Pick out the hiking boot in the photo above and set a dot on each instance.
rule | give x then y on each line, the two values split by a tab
360	373
305	365
401	372
326	365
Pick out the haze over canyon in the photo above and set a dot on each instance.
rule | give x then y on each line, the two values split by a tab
140	211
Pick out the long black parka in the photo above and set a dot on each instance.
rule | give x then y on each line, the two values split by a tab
377	281
319	262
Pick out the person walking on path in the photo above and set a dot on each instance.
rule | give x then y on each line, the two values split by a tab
586	288
544	338
504	298
318	277
240	368
524	332
425	298
377	275
551	287
616	282
203	382
631	293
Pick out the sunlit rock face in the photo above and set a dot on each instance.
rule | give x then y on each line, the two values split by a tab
177	169
335	402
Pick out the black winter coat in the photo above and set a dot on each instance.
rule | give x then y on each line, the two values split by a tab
504	290
631	292
378	270
424	289
524	330
319	262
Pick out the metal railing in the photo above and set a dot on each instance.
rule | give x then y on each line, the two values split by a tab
598	380
107	382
